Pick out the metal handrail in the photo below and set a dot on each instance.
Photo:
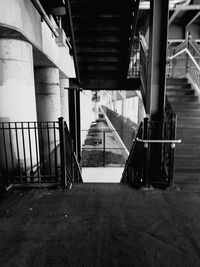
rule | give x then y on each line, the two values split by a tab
144	44
189	54
177	141
42	12
195	47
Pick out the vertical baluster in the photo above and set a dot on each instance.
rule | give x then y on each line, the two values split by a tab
55	148
24	148
49	148
42	159
17	145
11	151
30	151
5	150
36	150
104	149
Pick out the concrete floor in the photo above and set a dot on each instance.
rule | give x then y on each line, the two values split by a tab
100	225
102	175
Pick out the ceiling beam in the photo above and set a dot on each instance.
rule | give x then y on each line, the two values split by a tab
109	84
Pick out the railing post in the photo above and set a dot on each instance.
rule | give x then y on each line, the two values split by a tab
104	148
146	152
72	163
171	153
62	151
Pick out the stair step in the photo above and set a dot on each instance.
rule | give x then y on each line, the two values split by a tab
189	163
188	139
178	86
180	92
189	113
190	178
183	99
187	170
176	80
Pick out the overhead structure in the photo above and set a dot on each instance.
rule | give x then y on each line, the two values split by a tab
102	30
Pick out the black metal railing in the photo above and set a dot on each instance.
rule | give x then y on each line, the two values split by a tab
151	160
70	169
184	61
143	63
132	173
102	149
32	153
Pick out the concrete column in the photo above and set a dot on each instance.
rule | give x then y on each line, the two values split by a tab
17	103
17	89
48	109
47	94
64	84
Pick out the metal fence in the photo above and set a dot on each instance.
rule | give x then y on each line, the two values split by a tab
32	153
101	149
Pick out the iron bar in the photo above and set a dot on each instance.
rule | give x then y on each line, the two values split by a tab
24	149
11	148
49	148
5	150
30	149
17	146
55	148
36	149
62	151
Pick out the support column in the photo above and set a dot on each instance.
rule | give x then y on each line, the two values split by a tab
17	104
47	94
64	85
156	90
78	125
74	119
17	89
159	13
48	109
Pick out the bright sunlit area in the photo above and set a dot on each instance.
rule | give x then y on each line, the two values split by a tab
108	125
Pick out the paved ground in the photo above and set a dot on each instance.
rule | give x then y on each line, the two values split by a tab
97	225
102	175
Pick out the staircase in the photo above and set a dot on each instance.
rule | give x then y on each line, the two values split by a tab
186	105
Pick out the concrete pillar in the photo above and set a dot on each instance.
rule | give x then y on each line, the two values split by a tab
64	85
17	103
48	109
47	94
17	89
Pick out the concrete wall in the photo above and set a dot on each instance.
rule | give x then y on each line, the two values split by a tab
20	19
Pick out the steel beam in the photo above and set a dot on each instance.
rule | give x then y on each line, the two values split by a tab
159	13
73	118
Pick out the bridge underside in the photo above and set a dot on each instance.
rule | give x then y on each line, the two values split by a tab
101	32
